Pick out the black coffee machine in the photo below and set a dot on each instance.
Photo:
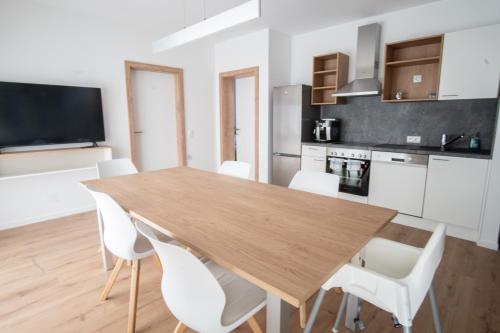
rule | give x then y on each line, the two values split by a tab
327	130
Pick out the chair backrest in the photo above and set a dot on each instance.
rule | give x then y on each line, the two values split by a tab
191	292
235	169
119	231
316	182
118	167
420	278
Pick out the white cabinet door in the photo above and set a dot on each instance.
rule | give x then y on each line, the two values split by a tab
317	151
396	186
312	163
471	64
455	189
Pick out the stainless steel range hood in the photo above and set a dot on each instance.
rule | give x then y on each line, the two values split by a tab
367	62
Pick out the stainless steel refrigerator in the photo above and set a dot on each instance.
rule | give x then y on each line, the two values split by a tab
293	123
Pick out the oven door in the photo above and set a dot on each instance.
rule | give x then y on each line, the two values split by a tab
353	182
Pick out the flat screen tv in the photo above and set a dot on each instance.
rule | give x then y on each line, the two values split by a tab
38	114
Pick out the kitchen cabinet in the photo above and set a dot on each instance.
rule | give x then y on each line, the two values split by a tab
311	163
455	190
471	64
313	158
397	181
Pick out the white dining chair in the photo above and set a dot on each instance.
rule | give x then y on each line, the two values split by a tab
116	167
316	182
202	295
393	276
235	168
122	239
319	183
112	168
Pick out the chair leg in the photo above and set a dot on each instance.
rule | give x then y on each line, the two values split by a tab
315	310
435	310
303	315
254	325
180	328
134	289
111	279
340	312
406	329
158	262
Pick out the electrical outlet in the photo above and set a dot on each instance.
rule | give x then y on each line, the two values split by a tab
413	139
417	78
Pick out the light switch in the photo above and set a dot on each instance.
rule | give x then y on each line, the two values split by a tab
190	134
413	139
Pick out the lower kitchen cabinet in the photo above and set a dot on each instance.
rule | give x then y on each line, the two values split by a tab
455	190
313	163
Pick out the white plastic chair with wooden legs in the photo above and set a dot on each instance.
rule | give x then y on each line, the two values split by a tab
122	239
319	183
393	276
235	169
202	295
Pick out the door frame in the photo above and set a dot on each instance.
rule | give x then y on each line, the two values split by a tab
227	110
179	105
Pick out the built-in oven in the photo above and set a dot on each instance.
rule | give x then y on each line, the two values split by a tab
353	168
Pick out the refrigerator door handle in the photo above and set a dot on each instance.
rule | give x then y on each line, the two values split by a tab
286	155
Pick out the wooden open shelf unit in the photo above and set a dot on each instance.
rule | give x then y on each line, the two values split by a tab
404	60
329	74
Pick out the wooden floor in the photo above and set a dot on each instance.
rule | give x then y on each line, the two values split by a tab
51	277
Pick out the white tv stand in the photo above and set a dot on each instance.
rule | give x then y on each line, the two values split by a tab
44	184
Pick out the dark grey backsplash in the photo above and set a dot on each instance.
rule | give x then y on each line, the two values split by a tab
367	119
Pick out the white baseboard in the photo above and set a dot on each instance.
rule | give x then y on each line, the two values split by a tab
429	225
488	245
43	218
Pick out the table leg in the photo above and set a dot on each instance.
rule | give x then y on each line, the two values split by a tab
351	312
107	257
278	313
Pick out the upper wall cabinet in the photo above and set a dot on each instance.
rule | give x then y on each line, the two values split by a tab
329	74
471	64
412	69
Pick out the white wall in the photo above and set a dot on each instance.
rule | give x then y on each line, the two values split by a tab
280	49
491	218
46	45
246	51
434	18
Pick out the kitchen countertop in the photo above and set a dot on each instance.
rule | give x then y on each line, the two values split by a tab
410	149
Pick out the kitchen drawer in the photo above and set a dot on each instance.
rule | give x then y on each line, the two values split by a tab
311	163
316	151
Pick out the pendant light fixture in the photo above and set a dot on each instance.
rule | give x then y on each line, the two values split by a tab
243	13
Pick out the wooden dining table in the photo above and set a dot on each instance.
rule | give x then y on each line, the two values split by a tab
285	241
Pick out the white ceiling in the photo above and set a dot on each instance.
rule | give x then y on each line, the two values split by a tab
162	17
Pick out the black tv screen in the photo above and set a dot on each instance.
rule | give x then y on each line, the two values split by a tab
37	114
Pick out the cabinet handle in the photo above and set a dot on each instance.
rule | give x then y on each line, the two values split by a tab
440	159
312	148
315	159
449	95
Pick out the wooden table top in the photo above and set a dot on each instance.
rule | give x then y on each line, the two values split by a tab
285	241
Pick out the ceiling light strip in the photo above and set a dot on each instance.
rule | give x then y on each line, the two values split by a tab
243	13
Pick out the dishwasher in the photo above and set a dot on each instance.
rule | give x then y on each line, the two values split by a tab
397	181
